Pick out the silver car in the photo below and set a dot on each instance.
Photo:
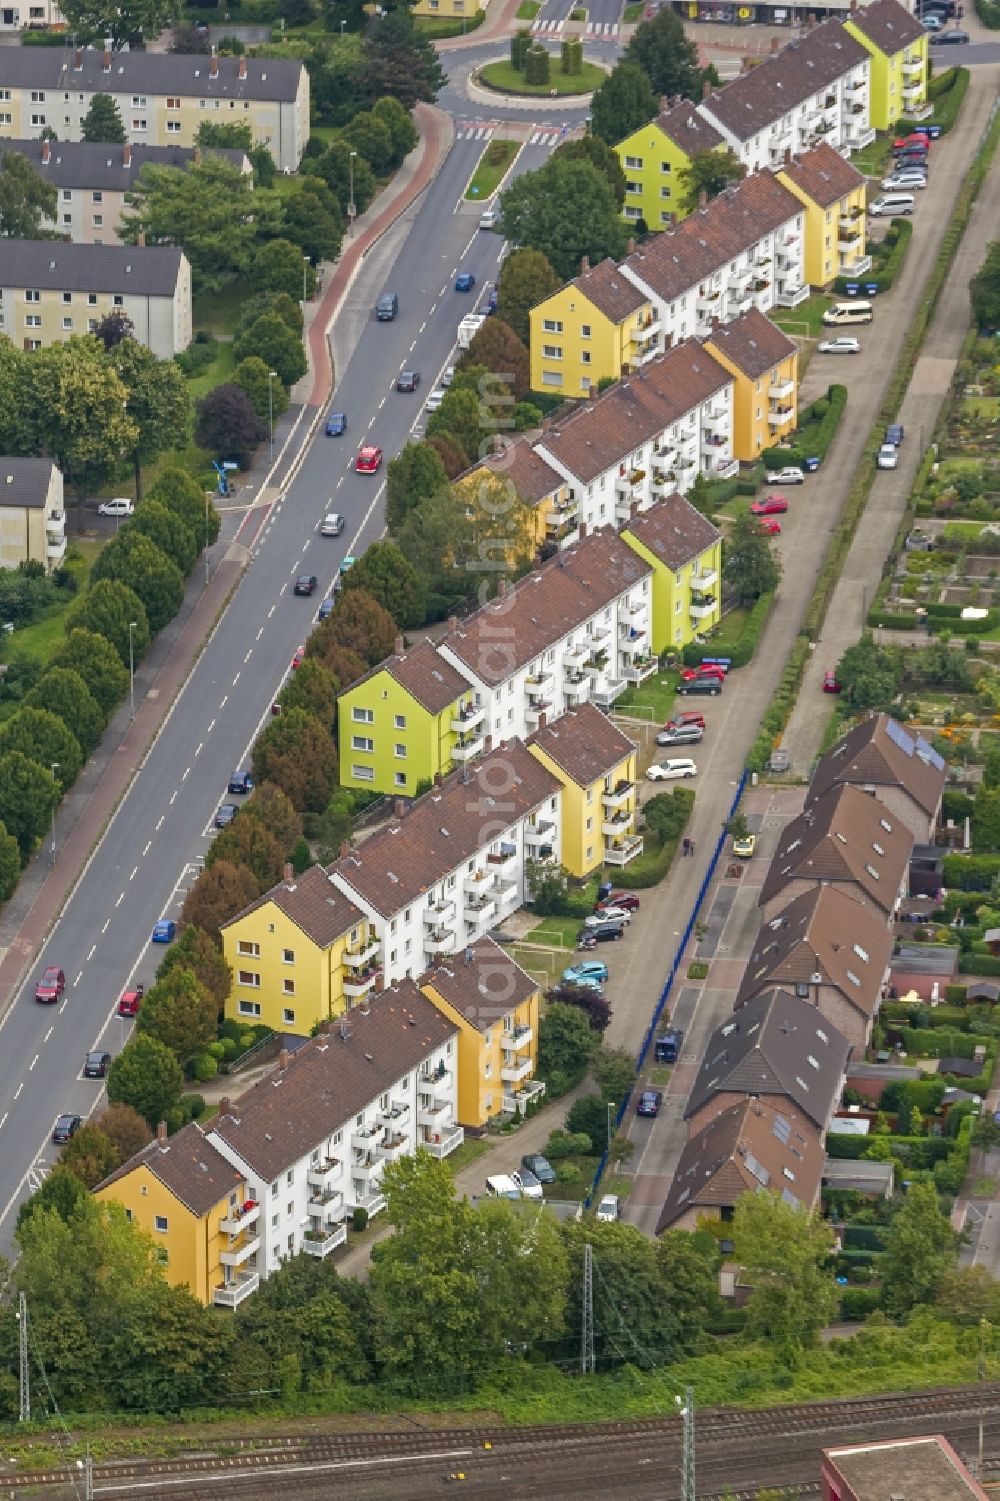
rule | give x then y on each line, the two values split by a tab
609	1209
332	525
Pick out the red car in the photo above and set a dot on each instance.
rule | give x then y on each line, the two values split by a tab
130	1002
771	505
769	529
689	717
706	670
368	460
830	684
299	657
625	899
51	986
918	141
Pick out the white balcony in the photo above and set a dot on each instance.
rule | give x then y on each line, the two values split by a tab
599	631
616	797
443	1143
619	824
393	1145
780	416
468	750
603	694
725	468
468	718
357	958
539	685
361	981
236	1255
576	687
533	713
664	457
505	889
516	1071
857	140
912	66
518	1101
55	552
778	390
702	582
575	656
442	914
635	644
480	912
441	1082
363	1167
433	1114
398	1111
323	1175
237	1220
327	1206
478	883
517	1038
372	1204
791	296
639	670
740	280
920	111
708	303
55	525
634	612
648	329
439	941
703	607
232	1294
856	268
365	1138
537	834
318	1243
622	853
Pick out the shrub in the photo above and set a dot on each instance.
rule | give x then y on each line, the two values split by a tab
359	1219
885	273
947	91
818	425
205	1067
856	1303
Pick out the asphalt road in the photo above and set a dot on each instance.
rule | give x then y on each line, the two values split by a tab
150	853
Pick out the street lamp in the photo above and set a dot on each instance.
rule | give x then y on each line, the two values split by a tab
207	495
343	27
270	412
610	1122
54	767
305	266
351	210
131	673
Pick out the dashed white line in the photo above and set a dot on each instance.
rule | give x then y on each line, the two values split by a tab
3	1120
423	325
248	656
149	846
271	611
18	1089
381	403
48	1034
172	797
199	748
224	702
159	822
412	347
62	1008
107	924
236	679
121	898
33	1062
187	773
260	633
211	727
93	946
135	872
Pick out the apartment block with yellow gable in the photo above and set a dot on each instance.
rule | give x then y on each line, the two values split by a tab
834	195
495	1006
684	550
897	43
655	156
599	326
300	954
596	764
198	1209
764	364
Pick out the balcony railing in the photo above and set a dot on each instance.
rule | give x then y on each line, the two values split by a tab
364	1138
439	941
432	1114
237	1220
621	854
604	694
322	1174
702	582
539	684
779	389
515	1072
326	1205
538	833
618	824
320	1243
372	1204
360	981
443	1143
357	958
441	915
518	1038
517	1102
618	795
575	656
468	750
791	296
777	416
232	1294
577	686
640	669
857	267
467	718
244	1247
393	1145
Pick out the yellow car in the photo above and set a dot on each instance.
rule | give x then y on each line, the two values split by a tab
744	848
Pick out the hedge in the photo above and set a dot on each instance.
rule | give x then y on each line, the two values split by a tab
856	1303
970	872
438	27
984	965
946	92
653	864
883	276
776	715
742	653
817	429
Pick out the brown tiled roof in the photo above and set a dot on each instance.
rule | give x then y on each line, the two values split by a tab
823	174
745	1149
446	827
787	78
753	343
609	292
584	743
483	983
600	433
888	25
312	903
846	837
672	262
527	471
823	932
433	682
776	1045
673	531
330	1080
188	1165
685	127
546	605
878	752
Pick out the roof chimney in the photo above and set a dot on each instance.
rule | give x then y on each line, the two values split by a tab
161	1132
706	88
345	848
775	45
284	1058
196	156
630	245
243	67
106	60
126	155
46	152
438	779
397	646
224	1105
703	199
502	589
746	63
140	239
788	154
664	103
287	873
542	719
582	529
453	622
78	59
398	807
584	264
213	66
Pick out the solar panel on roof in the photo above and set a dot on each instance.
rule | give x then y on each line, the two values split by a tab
899	737
760	1172
781	1129
929	754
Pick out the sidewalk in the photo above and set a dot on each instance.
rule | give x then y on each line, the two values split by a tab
90	805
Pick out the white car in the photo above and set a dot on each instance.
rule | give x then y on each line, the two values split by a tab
332	525
608	1209
434	400
843	345
904	180
888	456
608	914
117	507
448	376
790	475
670	771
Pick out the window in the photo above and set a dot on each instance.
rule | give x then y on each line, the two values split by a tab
400	751
97	197
288	956
363	716
91	299
250	950
118	300
664	192
585	357
552	351
67	324
138	101
161	1222
98	221
290	1179
138	124
399	778
633	213
665	167
173	127
551	378
363	773
173	103
635	162
362	743
551	326
33	321
32	296
584	330
399	720
37	97
249	977
288	987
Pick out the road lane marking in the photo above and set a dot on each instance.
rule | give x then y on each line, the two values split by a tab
33	1062
3	1120
135	872
173	796
93	946
224	702
17	1091
187	773
149	846
78	978
248	656
271	611
159	822
201	744
62	1008
48	1034
236	679
107	924
121	898
211	727
260	633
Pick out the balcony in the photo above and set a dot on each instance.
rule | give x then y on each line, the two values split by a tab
912	65
361	981
321	1242
791	296
365	1164
778	390
517	1038
55	525
502	855
481	912
372	1204
442	914
539	685
515	1072
860	137
477	883
537	834
634	643
857	267
441	1081
364	1138
439	941
599	631
617	796
393	1145
725	468
617	824
780	416
621	854
443	1143
240	1250
847	239
702	582
323	1175
432	1114
604	694
237	1220
326	1205
664	458
917	111
634	612
708	303
517	1102
640	669
575	656
504	887
358	958
738	281
703	606
232	1294
468	750
576	687
55	552
467	718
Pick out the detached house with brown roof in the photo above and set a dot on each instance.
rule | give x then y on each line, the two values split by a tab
830	952
896	766
764	363
843	838
835	197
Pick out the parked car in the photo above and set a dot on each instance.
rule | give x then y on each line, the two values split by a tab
769	528
703	670
894	434
447	376
540	1167
771	505
790	475
325	608
909	177
933	22
626	899
888	456
51	986
586	969
686	717
609	1209
299	657
434	400
130	1002
369	460
336	424
96	1064
608	932
649	1102
700	685
332	524
464	281
607	914
954	38
224	814
744	846
668	1045
844	345
831	684
120	506
164	931
685	734
65	1127
409	380
306	583
914	139
240	782
671	770
529	1185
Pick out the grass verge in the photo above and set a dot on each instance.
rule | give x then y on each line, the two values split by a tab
438	27
504	79
528	10
806	320
472	1148
493	166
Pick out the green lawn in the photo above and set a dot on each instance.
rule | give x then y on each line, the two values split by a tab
472	1148
528	10
556	932
728	633
806	320
633	14
44	638
493	165
507	80
874	160
215	374
543	965
219	312
656	694
445	26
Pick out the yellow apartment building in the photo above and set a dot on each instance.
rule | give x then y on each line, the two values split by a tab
596	765
654	158
495	1006
684	550
834	196
550	496
898	45
32	513
300	954
597	327
764	364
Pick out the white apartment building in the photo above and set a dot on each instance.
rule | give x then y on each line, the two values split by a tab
37	15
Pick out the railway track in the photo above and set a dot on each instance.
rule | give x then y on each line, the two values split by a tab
737	1450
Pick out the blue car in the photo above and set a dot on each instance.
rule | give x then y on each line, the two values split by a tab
336	424
587	972
325	608
491	302
241	782
165	931
464	281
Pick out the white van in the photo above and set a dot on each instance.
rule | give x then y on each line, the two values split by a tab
848	312
892	203
503	1187
488	218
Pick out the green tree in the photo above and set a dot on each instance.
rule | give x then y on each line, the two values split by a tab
869	675
667	55
335	169
549	884
25	199
98	663
497	347
106	609
78	406
688	1264
179	1012
147	1076
360	623
614	1071
750	564
61	1192
371	138
135	560
195	951
630	1318
268	398
62	692
102	122
411	477
224	135
527	277
984	289
967	1294
400	125
246	842
271	340
167	531
46	739
565	1047
28	794
126	25
272	806
226	424
460	415
90	1155
279	266
401	61
708	172
566	210
16	427
288	309
313	688
386	575
591	148
919	1248
297	753
10	863
182	494
786	1252
221	890
157	402
624	102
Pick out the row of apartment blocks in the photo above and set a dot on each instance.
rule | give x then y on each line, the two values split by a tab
282	1167
577	631
771	1078
836	85
757	247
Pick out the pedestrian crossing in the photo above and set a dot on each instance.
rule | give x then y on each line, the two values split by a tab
593	28
550	28
602	28
475	130
514	130
547	136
